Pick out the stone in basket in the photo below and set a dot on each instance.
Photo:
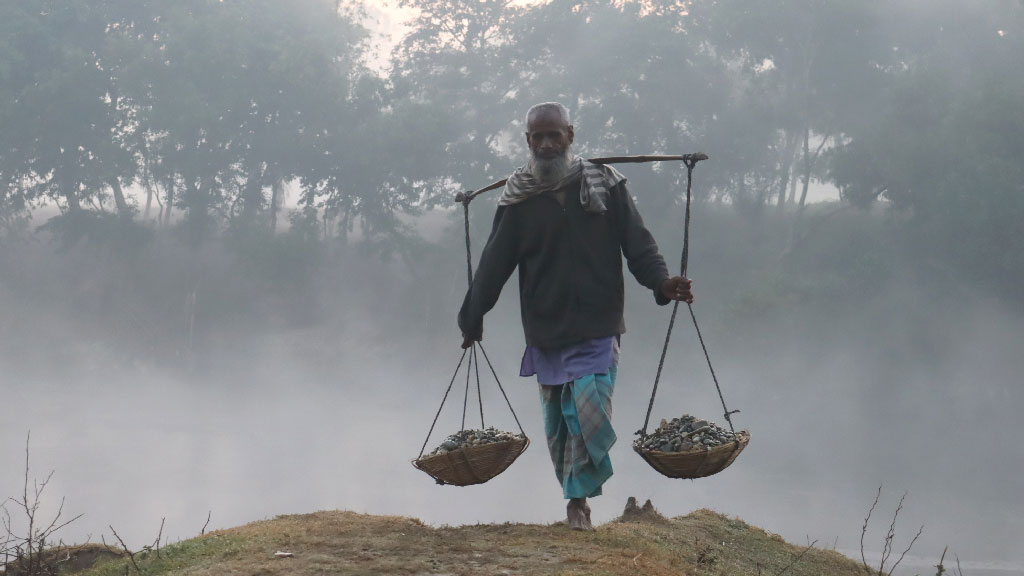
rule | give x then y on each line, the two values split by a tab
689	447
472	456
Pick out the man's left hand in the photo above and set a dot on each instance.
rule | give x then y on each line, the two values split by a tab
678	288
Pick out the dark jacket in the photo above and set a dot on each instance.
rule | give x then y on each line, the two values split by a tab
570	267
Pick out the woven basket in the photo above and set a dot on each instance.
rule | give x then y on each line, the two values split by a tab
695	463
472	464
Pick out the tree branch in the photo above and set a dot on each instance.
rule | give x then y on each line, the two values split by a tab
909	546
864	530
797	559
131	555
890	536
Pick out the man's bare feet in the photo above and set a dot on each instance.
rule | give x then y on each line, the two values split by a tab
578	514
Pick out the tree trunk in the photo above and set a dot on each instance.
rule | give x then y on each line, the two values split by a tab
276	198
119	201
792	188
70	191
252	194
807	166
197	200
72	197
149	201
789	159
147	181
168	202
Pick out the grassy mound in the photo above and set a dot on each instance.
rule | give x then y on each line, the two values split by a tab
346	543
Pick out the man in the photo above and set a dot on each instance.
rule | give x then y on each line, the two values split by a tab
566	223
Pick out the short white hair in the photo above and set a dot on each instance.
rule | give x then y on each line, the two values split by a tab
538	109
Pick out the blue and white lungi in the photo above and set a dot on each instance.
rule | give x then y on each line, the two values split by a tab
578	426
577	411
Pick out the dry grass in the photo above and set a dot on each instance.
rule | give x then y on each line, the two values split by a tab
345	543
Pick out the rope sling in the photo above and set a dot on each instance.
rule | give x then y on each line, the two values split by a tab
691	163
471	462
694	462
465	199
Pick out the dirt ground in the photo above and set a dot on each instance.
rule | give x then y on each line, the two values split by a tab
346	543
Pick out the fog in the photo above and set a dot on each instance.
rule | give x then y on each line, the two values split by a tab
262	321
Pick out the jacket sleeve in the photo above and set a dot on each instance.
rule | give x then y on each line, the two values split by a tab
638	245
498	260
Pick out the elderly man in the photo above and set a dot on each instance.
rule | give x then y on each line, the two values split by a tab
566	223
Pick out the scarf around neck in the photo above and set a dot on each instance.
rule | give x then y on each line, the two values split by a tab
596	182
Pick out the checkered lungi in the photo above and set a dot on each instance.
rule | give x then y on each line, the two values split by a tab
578	426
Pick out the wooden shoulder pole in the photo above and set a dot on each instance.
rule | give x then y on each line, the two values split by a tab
466	197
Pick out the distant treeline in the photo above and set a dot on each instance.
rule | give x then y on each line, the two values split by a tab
213	109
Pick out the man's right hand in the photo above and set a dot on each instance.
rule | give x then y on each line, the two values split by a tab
678	288
467	341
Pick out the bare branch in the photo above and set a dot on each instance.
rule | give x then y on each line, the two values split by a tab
909	546
797	559
890	536
159	535
103	539
63	524
131	555
203	531
864	530
53	527
29	552
821	145
24	497
939	567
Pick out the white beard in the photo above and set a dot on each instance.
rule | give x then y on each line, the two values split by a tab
553	170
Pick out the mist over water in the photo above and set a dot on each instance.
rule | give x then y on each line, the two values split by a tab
908	393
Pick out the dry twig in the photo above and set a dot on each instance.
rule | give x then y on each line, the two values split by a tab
940	569
29	552
797	559
131	555
889	538
864	530
705	554
155	546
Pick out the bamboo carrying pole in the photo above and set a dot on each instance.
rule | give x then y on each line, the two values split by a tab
695	157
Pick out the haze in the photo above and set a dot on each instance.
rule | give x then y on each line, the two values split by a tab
231	260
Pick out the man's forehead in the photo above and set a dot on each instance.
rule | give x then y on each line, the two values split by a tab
547	120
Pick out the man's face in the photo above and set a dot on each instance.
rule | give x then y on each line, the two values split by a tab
548	136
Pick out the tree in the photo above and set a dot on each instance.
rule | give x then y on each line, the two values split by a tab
238	99
628	72
814	67
62	112
942	151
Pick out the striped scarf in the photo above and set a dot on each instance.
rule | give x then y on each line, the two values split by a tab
595	185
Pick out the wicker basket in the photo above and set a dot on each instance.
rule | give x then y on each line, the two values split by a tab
695	463
472	464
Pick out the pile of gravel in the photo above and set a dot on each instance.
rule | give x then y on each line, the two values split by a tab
474	438
685	434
